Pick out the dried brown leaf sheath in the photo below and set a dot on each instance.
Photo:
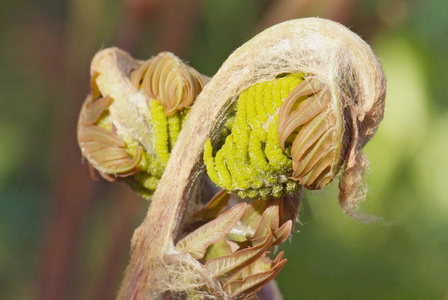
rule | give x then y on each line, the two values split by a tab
323	50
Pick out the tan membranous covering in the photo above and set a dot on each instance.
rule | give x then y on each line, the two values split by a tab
104	150
130	111
319	48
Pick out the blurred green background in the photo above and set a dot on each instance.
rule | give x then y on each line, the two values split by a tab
65	236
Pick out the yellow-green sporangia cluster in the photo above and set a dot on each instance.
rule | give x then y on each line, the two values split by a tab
171	87
166	130
251	162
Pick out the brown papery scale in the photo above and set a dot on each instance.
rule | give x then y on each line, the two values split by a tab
316	146
103	148
166	78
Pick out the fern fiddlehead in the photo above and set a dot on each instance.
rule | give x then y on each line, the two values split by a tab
280	138
169	87
285	134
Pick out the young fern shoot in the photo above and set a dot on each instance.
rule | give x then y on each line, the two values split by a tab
287	110
158	95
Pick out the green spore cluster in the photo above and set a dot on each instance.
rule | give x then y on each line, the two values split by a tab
166	130
251	161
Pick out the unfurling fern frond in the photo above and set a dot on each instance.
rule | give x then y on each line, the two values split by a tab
287	132
169	87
